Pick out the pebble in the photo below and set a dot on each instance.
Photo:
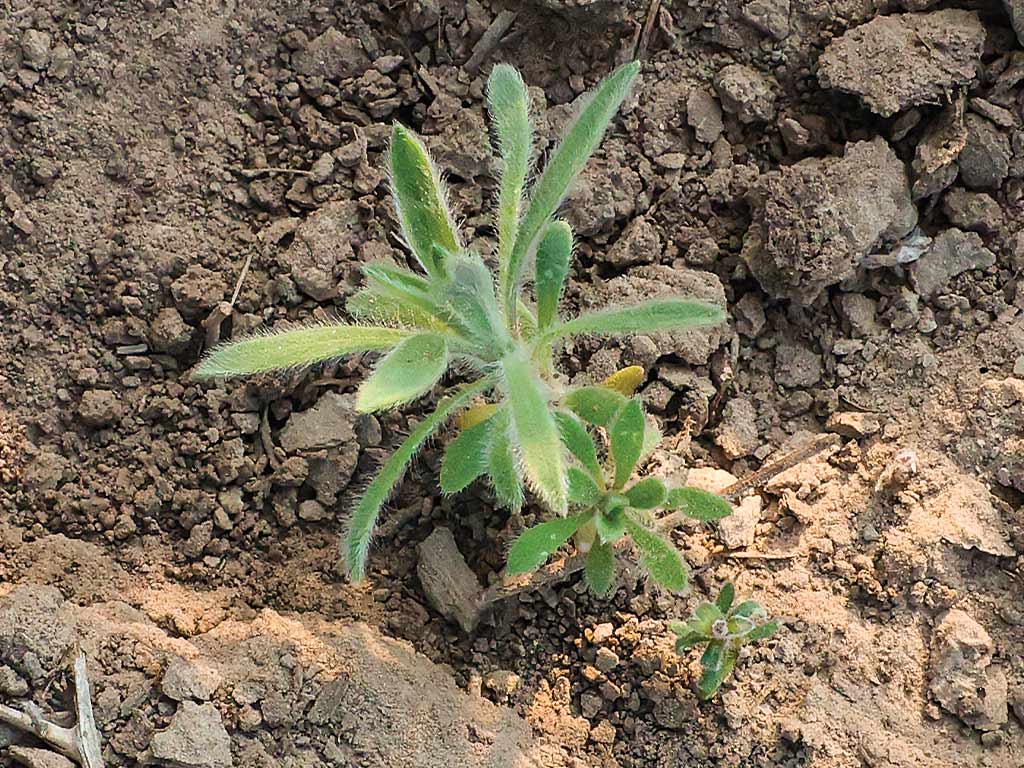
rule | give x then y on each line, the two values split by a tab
99	408
746	93
195	738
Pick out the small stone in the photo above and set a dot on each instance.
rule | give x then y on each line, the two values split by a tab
332	56
184	679
602	633
168	332
22	222
330	422
44	170
35	48
450	586
796	366
951	253
606	659
312	511
640	244
854	424
985	159
198	539
972	211
195	738
737	434
746	93
739	529
39	758
12	684
603	733
962	676
99	408
502	682
198	290
750	316
903	60
704	115
769	16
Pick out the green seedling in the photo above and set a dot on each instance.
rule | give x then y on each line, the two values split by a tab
456	312
608	507
724	629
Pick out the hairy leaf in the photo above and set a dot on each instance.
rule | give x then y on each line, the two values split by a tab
600	569
576	438
421	201
295	348
658	557
475	414
392	292
364	517
553	256
720	663
582	488
469	296
465	458
509	104
647	494
625	380
565	163
535	545
501	463
410	370
626	436
647	317
535	430
595	405
610	527
725	597
762	632
698	504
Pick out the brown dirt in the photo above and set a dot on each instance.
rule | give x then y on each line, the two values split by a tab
188	541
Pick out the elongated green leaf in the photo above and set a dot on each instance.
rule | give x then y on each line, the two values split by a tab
501	463
725	597
647	494
595	405
396	295
535	545
626	436
535	431
364	518
410	370
553	256
295	348
469	297
465	458
762	632
565	163
580	444
749	609
705	616
697	504
658	557
600	569
647	317
721	663
509	104
582	488
421	201
610	527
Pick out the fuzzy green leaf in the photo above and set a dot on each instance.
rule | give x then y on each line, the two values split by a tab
595	405
469	295
580	444
395	292
465	459
421	201
648	317
748	609
698	504
725	597
553	256
364	517
649	493
501	463
658	557
720	663
410	370
535	545
626	436
535	431
762	632
610	527
583	491
565	163
295	348
600	569
705	615
509	104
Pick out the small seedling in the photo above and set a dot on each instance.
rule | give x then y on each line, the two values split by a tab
609	510
725	629
457	313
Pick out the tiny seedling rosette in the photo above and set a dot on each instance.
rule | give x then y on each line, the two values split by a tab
607	505
723	628
454	311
